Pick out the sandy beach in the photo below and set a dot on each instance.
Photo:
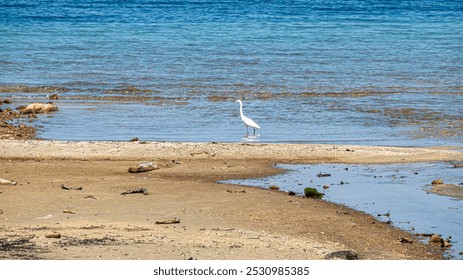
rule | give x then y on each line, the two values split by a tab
78	200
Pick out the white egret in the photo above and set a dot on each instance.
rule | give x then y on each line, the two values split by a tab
247	121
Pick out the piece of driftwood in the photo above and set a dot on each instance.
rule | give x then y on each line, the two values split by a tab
135	191
53	235
223	229
144	167
167	222
70	188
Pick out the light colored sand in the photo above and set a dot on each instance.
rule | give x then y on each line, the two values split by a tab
35	149
217	221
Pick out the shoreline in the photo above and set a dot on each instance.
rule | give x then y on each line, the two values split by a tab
216	221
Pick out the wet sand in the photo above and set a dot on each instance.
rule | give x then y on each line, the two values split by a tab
66	202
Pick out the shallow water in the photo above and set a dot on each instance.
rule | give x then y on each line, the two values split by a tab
387	119
397	189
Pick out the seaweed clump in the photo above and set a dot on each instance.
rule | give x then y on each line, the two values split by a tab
313	193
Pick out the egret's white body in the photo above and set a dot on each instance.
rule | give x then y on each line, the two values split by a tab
247	121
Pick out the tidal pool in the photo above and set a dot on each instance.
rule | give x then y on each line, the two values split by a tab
399	190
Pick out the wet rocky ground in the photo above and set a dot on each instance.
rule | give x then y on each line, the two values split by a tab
13	124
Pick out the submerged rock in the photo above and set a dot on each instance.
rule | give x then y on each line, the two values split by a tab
435	238
437	182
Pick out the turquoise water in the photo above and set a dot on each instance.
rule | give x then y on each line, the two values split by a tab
360	72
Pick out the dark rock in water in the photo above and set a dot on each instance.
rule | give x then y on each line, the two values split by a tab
53	96
435	238
313	193
291	193
446	243
342	255
323	175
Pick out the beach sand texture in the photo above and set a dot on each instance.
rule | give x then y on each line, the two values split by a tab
77	200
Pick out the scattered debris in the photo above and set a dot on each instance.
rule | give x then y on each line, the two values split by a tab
326	187
140	190
53	235
71	188
90	196
388	215
67	211
223	229
323	175
167	222
7	182
313	193
405	240
144	167
274	188
241	191
342	255
135	139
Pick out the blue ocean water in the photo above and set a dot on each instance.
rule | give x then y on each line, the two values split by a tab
366	72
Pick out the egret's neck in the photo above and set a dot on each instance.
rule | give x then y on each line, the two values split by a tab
241	109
